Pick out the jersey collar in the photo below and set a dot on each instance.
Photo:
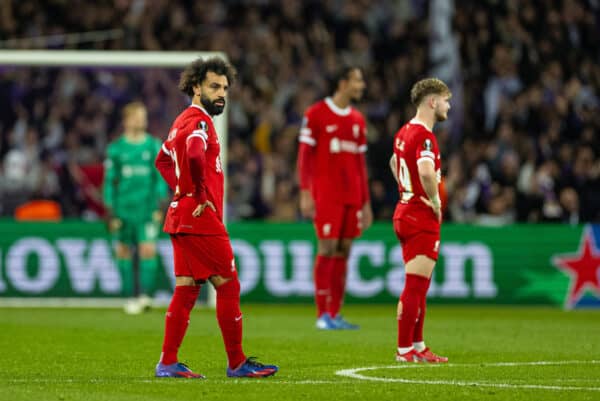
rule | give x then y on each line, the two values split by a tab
416	121
337	110
202	109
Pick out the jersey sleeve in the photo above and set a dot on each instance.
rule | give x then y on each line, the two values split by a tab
309	131
306	150
111	169
165	167
196	144
160	185
426	150
362	150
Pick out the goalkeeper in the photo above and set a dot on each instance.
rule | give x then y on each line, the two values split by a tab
133	195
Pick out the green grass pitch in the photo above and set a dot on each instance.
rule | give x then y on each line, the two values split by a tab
496	353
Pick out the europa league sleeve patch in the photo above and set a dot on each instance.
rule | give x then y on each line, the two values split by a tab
203	126
427	145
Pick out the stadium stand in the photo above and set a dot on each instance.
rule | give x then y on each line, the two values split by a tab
522	146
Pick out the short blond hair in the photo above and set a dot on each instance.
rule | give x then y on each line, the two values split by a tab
131	108
426	87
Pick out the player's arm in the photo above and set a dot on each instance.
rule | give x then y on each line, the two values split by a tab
161	188
394	167
111	178
305	167
196	144
367	212
428	177
166	167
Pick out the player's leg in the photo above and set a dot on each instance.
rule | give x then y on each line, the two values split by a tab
350	229
327	222
148	268
229	317
323	272
428	247
124	237
418	342
177	318
338	284
123	255
418	271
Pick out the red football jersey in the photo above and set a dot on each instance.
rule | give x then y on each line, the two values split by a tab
193	122
338	137
415	144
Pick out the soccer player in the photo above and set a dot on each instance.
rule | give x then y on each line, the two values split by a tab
133	195
333	188
416	166
190	164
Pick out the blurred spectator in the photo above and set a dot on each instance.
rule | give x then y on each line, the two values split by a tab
528	149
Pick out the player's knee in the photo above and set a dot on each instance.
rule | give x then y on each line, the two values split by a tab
147	251
344	248
227	287
122	251
186	281
327	248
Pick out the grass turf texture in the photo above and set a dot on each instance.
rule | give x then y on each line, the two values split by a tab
102	354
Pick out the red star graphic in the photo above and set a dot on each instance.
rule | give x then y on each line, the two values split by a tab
583	268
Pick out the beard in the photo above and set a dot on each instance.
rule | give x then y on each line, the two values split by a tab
439	117
211	106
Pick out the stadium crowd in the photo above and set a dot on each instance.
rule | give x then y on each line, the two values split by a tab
522	145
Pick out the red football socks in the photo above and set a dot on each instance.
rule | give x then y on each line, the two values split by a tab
338	285
415	290
322	277
229	317
177	321
418	333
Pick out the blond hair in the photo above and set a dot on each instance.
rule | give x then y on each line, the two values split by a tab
131	108
426	87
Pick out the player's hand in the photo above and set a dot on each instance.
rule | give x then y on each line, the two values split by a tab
200	208
307	204
114	224
437	208
366	216
157	216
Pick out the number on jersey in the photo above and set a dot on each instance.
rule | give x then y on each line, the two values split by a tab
405	182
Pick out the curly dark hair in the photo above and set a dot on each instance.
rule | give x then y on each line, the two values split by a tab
195	73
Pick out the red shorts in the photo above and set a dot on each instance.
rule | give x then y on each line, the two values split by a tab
416	241
337	221
202	256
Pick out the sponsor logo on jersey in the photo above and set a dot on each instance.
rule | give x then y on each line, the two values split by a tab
331	128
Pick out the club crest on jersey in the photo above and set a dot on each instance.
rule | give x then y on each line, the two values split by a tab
427	145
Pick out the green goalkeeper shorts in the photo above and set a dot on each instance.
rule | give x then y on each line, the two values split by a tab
136	232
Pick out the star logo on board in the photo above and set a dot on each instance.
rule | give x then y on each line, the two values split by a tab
582	267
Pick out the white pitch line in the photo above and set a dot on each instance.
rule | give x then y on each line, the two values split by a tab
176	381
354	373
